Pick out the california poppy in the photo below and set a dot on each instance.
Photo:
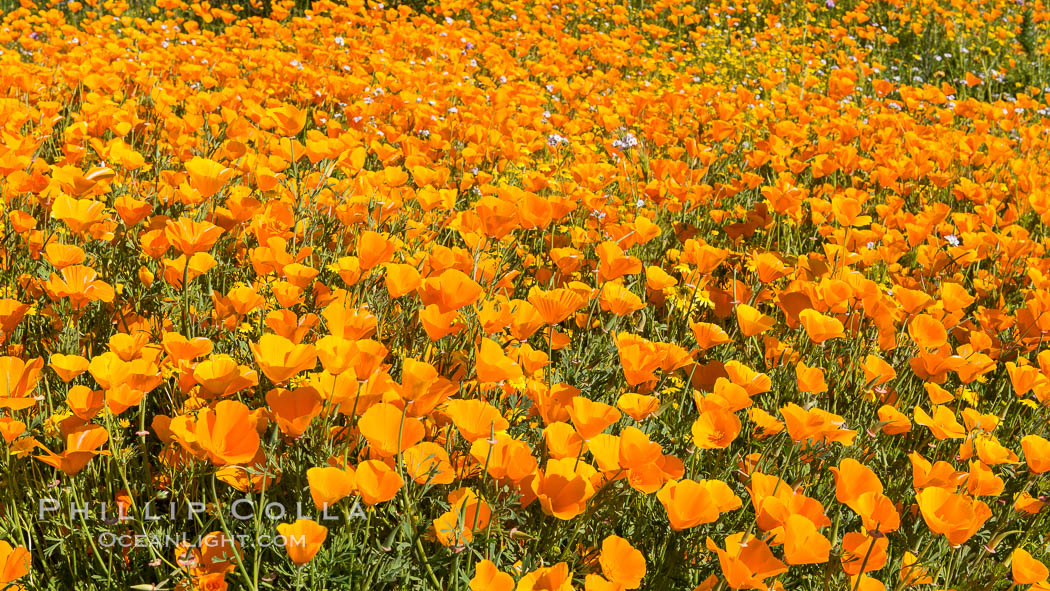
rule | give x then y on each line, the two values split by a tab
489	578
716	428
493	365
563	487
14	562
810	379
708	335
294	409
689	503
329	484
227	434
803	544
746	561
853	479
467	513
388	430
751	321
927	332
591	417
280	359
621	563
302	539
956	516
1036	453
18	380
376	482
638	406
820	327
207	176
189	236
81	445
1026	570
428	463
476	418
862	553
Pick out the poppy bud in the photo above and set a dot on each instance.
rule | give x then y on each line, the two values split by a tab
145	276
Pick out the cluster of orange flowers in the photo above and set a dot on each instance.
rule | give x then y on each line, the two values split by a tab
544	288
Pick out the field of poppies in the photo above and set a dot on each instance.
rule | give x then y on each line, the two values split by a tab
525	295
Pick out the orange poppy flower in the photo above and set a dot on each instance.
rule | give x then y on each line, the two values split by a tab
940	474
18	380
816	424
591	418
927	332
227	433
182	349
81	445
621	563
748	379
803	544
958	517
451	290
78	214
820	327
708	335
189	236
689	503
1036	453
877	512
489	578
639	358
636	450
476	418
619	300
207	176
751	321
221	375
506	459
376	482
1026	570
563	487
656	278
329	485
942	424
877	371
15	562
613	263
716	428
64	255
302	539
912	572
290	119
862	553
294	409
553	578
383	424
468	513
280	359
563	441
402	279
493	366
10	428
638	406
428	463
853	479
80	285
746	561
373	249
810	379
894	421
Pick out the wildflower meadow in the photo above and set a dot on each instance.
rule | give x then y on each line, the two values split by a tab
524	295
